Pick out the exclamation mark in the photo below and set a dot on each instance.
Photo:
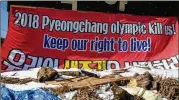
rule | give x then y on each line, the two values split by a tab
173	27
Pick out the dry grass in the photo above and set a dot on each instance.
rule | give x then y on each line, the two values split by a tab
10	80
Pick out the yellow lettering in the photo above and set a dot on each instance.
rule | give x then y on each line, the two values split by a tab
85	64
104	65
74	64
100	65
67	64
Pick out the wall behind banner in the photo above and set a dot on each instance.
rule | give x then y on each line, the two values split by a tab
148	8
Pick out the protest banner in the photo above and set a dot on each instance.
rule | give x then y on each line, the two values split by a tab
89	40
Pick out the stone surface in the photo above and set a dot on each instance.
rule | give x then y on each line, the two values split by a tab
145	81
46	74
121	94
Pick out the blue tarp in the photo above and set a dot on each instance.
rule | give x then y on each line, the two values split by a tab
8	94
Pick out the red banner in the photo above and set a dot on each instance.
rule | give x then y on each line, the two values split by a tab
90	40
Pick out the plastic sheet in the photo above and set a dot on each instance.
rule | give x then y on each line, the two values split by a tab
8	94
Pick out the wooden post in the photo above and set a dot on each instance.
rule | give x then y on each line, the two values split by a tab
122	5
74	5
